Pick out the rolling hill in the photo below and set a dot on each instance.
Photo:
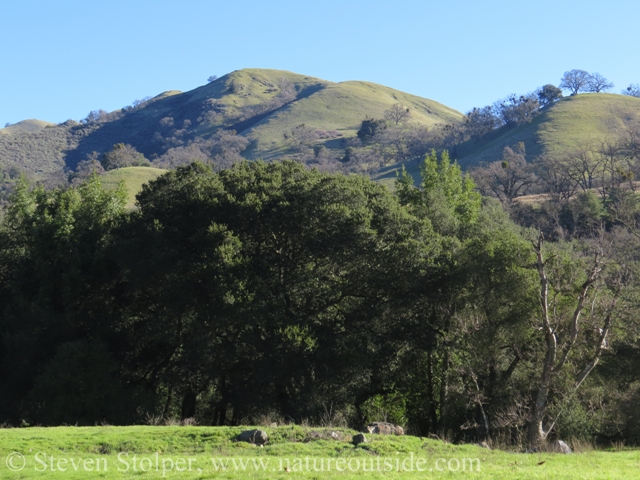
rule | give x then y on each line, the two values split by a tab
265	106
579	120
262	105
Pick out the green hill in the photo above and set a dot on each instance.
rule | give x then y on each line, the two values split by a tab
580	120
25	126
262	105
133	178
265	106
340	107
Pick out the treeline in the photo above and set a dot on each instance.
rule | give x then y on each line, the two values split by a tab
269	289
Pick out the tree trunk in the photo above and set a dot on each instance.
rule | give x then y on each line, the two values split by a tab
189	404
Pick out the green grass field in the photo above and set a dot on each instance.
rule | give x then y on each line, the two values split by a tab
133	178
210	452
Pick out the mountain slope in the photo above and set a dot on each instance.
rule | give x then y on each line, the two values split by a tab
572	122
262	105
341	107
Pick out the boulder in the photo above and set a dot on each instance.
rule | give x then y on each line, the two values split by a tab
384	428
257	437
358	439
562	447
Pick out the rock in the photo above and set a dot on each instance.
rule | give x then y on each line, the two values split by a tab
563	447
384	428
257	437
273	425
336	435
483	444
358	439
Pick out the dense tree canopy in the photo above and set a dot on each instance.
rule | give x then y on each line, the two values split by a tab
274	289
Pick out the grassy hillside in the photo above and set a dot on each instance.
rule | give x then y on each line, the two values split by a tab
573	121
260	104
25	126
210	452
264	105
133	178
341	107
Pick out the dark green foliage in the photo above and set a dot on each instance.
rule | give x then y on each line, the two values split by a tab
51	282
548	94
269	288
298	284
121	156
370	127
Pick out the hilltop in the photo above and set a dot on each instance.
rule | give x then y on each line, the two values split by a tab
579	120
259	104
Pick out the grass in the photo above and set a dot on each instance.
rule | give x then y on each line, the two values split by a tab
25	126
133	178
210	452
581	120
341	107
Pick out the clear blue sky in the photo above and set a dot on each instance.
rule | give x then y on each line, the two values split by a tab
62	59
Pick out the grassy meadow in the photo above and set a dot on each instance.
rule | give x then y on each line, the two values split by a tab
210	452
133	178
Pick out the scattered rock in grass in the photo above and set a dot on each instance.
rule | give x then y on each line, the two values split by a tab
384	428
257	437
562	447
358	439
336	435
483	444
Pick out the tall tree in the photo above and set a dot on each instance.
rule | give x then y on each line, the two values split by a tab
574	322
575	81
597	83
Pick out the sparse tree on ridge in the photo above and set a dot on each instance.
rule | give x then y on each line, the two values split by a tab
575	81
632	90
397	114
597	83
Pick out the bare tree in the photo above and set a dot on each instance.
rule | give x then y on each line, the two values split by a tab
480	121
553	175
397	114
597	83
582	166
301	137
515	110
574	81
571	320
508	178
632	90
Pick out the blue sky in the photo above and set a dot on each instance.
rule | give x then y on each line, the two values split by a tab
62	59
